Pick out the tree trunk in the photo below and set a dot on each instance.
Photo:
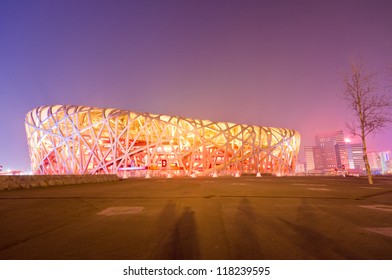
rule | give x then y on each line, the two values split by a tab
366	160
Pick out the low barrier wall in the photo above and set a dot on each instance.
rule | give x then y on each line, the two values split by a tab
9	182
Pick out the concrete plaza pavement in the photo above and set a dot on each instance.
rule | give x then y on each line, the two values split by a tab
201	218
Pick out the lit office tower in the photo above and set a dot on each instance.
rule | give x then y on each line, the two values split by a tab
357	150
345	156
309	158
327	143
332	151
313	158
380	162
375	162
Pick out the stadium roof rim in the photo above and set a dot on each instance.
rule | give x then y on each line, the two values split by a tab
46	111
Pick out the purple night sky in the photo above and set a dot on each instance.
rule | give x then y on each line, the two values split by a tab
268	63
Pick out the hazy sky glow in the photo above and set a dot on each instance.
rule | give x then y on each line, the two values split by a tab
268	63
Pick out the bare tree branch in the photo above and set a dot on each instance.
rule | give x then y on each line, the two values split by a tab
370	107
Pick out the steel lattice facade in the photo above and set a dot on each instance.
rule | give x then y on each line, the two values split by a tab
88	140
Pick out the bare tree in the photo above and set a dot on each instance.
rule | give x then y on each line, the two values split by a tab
369	106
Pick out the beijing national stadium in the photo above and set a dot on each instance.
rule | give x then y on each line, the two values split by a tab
67	139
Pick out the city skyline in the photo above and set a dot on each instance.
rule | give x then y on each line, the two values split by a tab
253	62
333	151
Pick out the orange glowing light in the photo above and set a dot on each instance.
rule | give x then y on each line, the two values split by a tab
89	140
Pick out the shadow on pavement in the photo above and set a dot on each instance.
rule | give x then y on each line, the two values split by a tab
311	239
246	244
177	239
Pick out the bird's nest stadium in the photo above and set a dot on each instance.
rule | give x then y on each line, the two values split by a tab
65	139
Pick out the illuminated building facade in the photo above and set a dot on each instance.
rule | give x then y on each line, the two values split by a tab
88	140
313	159
380	162
327	142
334	152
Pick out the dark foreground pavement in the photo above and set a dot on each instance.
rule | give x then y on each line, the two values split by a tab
203	218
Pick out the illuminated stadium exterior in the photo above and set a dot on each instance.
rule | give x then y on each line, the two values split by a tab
66	139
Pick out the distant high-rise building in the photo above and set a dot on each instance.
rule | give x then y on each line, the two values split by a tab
380	162
333	152
386	161
309	158
344	156
300	168
313	158
374	161
326	142
357	150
